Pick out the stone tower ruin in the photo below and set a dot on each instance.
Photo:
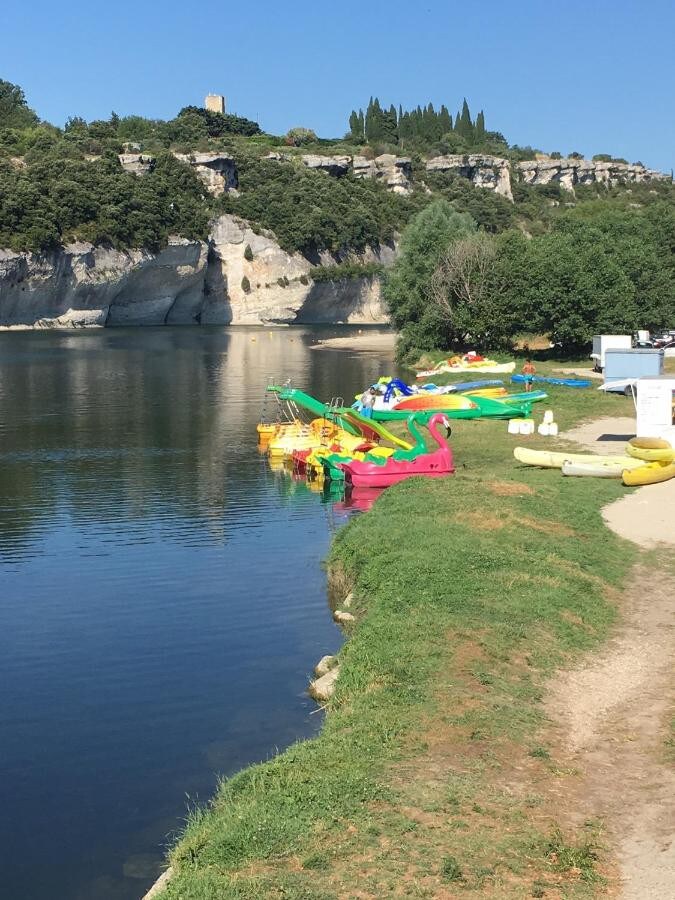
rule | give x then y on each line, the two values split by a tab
215	103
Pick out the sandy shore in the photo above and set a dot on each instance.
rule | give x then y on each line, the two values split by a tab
364	342
645	516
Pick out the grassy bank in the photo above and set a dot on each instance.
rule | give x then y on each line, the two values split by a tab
434	775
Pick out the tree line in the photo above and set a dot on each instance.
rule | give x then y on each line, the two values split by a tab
600	268
422	125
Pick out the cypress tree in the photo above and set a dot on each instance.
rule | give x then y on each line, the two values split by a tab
390	125
444	120
354	124
480	127
362	125
465	124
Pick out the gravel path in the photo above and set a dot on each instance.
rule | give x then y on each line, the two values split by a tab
645	516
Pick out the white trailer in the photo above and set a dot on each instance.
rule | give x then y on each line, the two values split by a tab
604	342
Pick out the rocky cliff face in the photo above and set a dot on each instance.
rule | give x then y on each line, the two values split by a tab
495	173
237	277
393	171
490	172
216	170
570	172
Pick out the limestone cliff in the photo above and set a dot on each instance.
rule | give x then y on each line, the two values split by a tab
495	173
570	172
484	171
393	171
237	277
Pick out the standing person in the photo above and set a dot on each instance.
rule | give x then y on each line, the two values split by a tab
529	372
368	402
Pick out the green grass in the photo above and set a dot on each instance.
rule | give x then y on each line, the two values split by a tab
433	766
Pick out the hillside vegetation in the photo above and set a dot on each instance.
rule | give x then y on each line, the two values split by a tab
560	263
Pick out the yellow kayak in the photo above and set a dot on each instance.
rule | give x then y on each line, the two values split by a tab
550	459
647	454
652	473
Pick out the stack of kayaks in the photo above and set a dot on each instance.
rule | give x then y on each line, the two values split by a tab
647	461
655	458
576	463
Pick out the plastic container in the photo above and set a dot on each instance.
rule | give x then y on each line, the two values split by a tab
548	417
544	429
553	429
514	426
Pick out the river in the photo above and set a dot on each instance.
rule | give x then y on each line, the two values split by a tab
162	600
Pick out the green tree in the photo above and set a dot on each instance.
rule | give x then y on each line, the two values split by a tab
480	133
465	126
462	289
14	111
296	137
407	285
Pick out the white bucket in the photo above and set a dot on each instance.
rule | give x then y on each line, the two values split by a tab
553	429
514	426
548	417
527	426
544	429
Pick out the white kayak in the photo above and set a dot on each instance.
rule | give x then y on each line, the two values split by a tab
593	470
551	459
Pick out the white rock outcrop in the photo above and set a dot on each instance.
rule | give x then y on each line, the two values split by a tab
394	171
570	172
236	277
332	165
484	171
137	163
217	170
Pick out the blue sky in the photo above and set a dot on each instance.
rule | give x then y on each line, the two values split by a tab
595	77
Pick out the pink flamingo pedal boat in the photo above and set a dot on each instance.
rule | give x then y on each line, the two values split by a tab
438	463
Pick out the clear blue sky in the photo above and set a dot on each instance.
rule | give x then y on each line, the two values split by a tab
595	77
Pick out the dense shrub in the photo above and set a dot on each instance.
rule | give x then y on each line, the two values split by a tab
309	211
59	196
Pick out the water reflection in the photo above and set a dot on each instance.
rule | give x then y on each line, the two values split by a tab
161	594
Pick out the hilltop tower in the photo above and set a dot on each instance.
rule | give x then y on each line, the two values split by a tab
215	103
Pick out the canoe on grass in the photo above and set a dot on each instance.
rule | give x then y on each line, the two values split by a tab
651	473
551	459
651	454
593	470
562	382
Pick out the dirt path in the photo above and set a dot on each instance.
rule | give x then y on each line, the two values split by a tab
645	516
613	714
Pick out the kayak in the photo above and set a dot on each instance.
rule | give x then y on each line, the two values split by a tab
464	386
489	368
563	382
652	473
651	455
551	459
603	470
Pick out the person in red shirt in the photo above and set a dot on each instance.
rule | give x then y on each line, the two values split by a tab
529	372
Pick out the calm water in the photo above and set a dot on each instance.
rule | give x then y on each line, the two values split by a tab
161	594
